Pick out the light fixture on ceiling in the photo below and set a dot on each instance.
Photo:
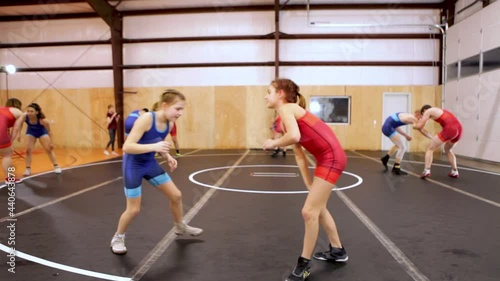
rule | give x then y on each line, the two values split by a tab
9	69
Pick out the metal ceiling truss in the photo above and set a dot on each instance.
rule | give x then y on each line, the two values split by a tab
114	20
211	9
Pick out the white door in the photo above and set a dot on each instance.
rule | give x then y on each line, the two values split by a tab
394	102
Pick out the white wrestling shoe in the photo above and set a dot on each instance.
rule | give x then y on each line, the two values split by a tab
118	244
184	229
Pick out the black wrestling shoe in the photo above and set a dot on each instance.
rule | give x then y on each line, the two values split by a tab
398	171
301	271
275	153
333	255
384	160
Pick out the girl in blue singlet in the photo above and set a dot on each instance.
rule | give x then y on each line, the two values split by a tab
38	128
131	118
392	130
145	139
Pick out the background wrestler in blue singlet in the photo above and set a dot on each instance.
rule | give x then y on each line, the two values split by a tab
38	128
390	129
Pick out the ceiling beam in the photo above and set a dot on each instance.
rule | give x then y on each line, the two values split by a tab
114	19
448	3
5	3
269	8
53	44
238	64
270	36
353	6
223	9
448	11
366	6
48	17
107	12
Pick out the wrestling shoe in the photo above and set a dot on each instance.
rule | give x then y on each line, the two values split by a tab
425	174
301	271
118	244
333	254
397	170
184	229
454	174
27	172
384	160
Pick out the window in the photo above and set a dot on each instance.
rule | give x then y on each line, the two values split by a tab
331	109
491	60
452	71
469	66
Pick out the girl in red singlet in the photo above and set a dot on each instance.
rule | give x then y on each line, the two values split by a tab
173	135
10	117
277	131
302	129
450	135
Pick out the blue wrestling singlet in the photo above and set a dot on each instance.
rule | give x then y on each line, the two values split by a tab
138	166
129	122
390	125
35	130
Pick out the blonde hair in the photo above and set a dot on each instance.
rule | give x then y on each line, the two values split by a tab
154	107
170	97
291	91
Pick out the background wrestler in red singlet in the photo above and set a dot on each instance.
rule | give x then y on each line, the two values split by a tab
450	135
10	117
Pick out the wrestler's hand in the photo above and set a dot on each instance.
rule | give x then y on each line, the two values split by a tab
172	163
268	144
162	147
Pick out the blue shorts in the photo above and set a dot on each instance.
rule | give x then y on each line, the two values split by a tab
390	125
134	171
36	133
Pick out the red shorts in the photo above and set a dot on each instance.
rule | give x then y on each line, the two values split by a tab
329	174
451	133
330	165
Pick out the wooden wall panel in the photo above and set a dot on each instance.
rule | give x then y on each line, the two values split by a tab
230	117
3	97
95	119
218	117
143	98
77	116
196	128
258	117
